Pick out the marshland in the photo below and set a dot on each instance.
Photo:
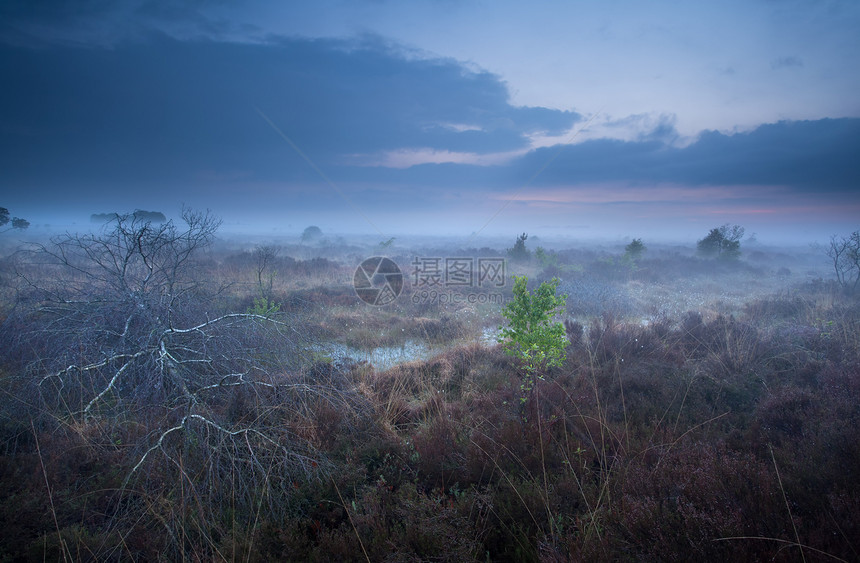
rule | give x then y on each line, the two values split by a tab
174	394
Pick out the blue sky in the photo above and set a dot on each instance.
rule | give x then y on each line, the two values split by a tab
657	120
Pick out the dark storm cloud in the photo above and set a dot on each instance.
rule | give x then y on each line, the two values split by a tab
165	110
806	155
815	157
818	154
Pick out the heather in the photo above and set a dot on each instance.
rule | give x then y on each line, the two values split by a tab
704	409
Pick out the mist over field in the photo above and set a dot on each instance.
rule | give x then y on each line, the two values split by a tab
429	281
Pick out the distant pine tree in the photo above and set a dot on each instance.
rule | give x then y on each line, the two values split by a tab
519	252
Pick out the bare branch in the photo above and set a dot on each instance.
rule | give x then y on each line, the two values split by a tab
157	445
113	380
244	316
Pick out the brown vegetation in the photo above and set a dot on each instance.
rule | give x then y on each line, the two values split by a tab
727	434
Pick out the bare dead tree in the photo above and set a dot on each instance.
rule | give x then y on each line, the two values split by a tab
125	323
844	252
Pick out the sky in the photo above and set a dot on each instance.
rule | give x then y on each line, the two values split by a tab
657	120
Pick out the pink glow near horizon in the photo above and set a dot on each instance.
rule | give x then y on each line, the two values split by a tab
620	193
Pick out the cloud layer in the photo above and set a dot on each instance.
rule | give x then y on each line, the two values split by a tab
194	104
299	123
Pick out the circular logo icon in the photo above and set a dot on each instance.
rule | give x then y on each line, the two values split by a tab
378	281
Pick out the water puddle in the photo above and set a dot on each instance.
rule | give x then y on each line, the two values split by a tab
386	357
382	358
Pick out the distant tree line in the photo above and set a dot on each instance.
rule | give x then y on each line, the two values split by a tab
17	222
138	214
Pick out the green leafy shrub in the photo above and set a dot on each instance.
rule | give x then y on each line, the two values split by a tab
264	307
532	335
